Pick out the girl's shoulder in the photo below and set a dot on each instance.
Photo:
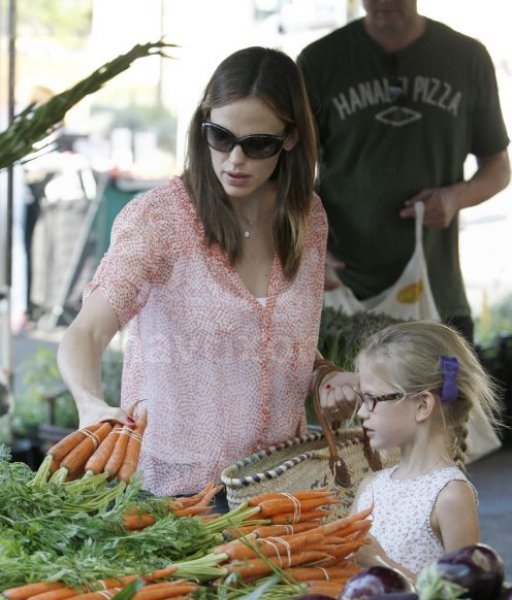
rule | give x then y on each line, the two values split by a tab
450	473
454	481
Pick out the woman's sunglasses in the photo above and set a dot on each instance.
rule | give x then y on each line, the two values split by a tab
260	145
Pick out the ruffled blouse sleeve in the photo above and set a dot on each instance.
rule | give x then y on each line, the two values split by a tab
138	257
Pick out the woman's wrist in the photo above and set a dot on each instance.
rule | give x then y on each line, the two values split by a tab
322	367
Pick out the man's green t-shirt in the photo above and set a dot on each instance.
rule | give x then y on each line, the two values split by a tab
390	126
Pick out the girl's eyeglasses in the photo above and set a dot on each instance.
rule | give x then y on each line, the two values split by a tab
260	145
369	400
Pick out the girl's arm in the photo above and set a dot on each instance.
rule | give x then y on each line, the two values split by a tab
79	359
373	554
455	516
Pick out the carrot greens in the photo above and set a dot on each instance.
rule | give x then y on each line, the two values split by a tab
90	537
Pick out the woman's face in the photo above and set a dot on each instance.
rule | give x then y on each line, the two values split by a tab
241	176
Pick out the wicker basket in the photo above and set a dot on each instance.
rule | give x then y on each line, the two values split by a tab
336	459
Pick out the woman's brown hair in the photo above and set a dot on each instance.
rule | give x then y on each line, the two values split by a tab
273	77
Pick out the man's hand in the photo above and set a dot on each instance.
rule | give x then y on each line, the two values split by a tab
441	206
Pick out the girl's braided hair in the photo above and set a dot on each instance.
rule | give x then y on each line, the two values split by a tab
410	357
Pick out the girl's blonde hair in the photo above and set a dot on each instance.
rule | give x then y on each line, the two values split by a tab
409	357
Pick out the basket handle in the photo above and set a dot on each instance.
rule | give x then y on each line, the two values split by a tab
322	421
336	462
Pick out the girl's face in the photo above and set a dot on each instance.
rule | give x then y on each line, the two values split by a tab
391	422
243	177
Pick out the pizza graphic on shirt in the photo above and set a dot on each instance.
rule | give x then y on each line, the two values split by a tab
397	116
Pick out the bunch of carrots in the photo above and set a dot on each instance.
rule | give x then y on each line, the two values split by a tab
108	449
197	505
298	542
281	533
287	533
107	588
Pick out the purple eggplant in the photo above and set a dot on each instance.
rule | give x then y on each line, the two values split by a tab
397	596
506	591
478	568
374	581
315	597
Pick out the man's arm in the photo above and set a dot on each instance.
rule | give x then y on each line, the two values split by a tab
442	204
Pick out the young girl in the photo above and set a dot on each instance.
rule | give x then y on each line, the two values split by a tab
219	275
418	382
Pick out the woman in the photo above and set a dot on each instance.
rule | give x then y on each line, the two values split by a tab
219	275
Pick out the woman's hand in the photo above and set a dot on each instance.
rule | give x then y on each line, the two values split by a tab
93	410
337	396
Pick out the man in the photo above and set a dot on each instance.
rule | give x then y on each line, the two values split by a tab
400	102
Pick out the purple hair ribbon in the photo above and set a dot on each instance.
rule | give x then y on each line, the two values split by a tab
449	368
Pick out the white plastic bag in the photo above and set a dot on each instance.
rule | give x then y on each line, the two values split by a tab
409	298
482	439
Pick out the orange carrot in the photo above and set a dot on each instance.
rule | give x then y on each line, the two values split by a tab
54	466
97	461
165	589
137	519
115	460
258	567
273	546
198	504
299	495
23	592
357	527
106	584
340	526
337	552
76	459
302	517
131	457
322	573
201	498
192	511
263	531
161	573
269	508
99	594
326	588
60	594
59	450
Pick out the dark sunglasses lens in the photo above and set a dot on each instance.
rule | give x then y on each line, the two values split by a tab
253	146
396	90
218	138
261	146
